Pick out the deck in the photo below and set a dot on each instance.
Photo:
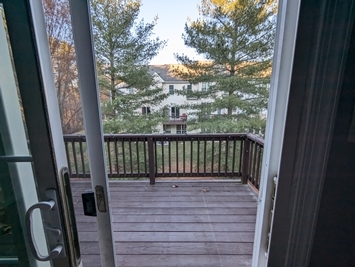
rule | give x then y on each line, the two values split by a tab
198	223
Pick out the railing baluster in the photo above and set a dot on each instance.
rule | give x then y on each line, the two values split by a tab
226	158
219	156
241	149
198	156
75	160
212	160
116	157
233	157
145	156
169	146
151	156
130	154
138	161
177	156
124	156
204	157
255	162
191	157
251	149
156	156
82	157
184	157
107	141
162	156
68	158
258	168
245	167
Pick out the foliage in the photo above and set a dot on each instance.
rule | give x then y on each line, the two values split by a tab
236	38
124	47
57	17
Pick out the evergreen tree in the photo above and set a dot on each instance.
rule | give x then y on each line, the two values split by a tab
236	38
124	47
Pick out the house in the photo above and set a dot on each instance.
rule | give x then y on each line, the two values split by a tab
309	147
176	113
176	116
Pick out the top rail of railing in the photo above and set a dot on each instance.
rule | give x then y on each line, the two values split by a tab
168	136
255	138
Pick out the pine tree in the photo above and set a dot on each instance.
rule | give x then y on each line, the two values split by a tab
236	38
124	47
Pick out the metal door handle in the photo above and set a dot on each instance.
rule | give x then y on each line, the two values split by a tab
45	206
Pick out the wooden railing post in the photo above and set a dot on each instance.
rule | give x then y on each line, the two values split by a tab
151	161
245	163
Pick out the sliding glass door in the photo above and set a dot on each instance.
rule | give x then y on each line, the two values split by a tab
37	222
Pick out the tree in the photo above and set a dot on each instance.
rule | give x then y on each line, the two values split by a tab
57	17
236	38
124	47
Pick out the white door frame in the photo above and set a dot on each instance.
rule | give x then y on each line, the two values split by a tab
322	41
285	41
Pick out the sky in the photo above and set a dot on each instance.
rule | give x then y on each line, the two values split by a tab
172	16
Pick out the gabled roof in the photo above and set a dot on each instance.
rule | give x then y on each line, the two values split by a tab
165	72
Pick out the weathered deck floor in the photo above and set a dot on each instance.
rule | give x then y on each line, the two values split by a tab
209	223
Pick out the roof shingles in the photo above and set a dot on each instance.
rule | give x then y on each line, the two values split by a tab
165	72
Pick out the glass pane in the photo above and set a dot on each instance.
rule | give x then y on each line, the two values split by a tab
17	184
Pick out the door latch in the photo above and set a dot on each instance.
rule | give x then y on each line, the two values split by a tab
53	229
89	203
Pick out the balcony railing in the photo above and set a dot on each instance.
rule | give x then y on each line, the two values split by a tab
192	155
176	119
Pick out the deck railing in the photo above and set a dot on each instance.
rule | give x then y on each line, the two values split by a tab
157	155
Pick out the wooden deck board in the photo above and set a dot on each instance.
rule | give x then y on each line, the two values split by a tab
171	218
168	248
207	223
181	193
173	236
173	227
164	199
175	260
180	211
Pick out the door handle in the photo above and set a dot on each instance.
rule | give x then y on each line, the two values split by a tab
52	232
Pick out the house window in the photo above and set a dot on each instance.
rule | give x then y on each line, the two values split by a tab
145	110
167	128
206	86
175	112
181	129
171	89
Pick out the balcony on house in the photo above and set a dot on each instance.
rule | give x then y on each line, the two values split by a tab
177	200
176	119
175	116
